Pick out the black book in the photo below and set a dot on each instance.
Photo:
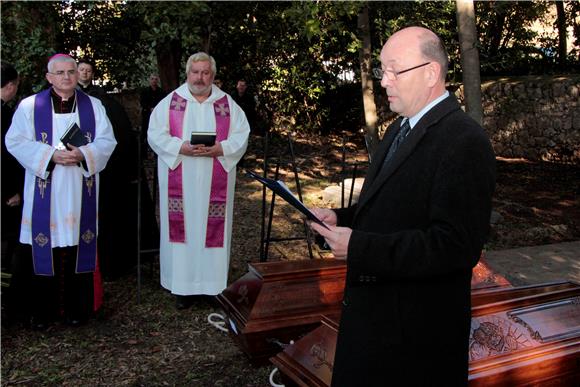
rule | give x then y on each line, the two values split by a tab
205	138
74	136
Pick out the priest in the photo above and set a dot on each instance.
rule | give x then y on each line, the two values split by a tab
196	182
59	217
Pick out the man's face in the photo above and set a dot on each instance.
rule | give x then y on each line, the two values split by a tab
10	90
407	94
63	77
241	87
85	73
154	81
200	78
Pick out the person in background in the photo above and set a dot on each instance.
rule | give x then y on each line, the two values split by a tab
118	210
196	182
12	172
14	294
246	101
86	75
149	98
59	217
418	229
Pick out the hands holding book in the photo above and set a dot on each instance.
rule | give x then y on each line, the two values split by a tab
336	237
68	157
201	150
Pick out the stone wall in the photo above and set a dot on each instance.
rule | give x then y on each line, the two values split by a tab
537	118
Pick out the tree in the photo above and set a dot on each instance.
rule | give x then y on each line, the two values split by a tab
370	109
28	43
469	59
561	23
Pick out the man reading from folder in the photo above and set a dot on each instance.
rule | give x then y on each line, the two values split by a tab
417	231
196	180
59	217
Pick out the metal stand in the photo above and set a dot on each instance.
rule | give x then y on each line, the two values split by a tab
141	251
266	231
343	173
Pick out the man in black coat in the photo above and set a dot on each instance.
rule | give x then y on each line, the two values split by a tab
416	233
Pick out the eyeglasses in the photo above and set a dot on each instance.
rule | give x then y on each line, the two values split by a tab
61	73
378	72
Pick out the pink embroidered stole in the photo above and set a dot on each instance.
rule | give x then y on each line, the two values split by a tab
219	182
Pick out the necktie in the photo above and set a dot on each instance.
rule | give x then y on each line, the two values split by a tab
399	138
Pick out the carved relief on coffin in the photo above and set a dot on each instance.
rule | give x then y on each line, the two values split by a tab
495	335
320	355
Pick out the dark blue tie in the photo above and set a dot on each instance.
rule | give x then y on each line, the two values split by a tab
399	138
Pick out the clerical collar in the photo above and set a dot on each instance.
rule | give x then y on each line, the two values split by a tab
60	106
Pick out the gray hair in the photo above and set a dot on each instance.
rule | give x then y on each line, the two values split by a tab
432	48
201	57
59	58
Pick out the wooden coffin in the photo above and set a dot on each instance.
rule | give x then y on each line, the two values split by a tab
519	336
276	302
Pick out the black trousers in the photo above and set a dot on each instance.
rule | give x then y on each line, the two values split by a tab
66	294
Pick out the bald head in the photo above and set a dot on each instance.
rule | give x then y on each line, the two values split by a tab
426	43
414	64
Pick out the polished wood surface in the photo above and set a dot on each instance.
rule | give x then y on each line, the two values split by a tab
526	335
276	302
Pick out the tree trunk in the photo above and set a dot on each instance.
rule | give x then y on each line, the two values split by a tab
561	35
370	108
169	64
469	59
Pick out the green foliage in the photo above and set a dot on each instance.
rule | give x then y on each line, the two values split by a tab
28	43
507	42
293	54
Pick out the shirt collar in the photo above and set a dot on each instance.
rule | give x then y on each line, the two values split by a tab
413	120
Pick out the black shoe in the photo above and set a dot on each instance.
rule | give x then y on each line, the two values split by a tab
182	302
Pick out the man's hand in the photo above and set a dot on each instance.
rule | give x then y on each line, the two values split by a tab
200	150
14	201
337	238
326	215
68	157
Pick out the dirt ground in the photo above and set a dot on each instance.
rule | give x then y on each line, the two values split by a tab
153	344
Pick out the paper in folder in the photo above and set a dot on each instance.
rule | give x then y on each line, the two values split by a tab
282	190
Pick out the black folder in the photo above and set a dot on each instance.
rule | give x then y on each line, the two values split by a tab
74	136
205	138
281	190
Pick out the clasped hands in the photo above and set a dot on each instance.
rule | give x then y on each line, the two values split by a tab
200	150
68	157
337	237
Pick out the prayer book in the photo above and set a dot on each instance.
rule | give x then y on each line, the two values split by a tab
74	136
205	138
284	192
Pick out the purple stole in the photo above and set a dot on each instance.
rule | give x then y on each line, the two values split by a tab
219	182
41	238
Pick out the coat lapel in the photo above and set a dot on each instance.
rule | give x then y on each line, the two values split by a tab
378	176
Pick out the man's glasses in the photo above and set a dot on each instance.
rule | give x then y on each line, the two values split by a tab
378	72
61	73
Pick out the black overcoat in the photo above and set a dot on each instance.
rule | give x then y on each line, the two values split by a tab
418	230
